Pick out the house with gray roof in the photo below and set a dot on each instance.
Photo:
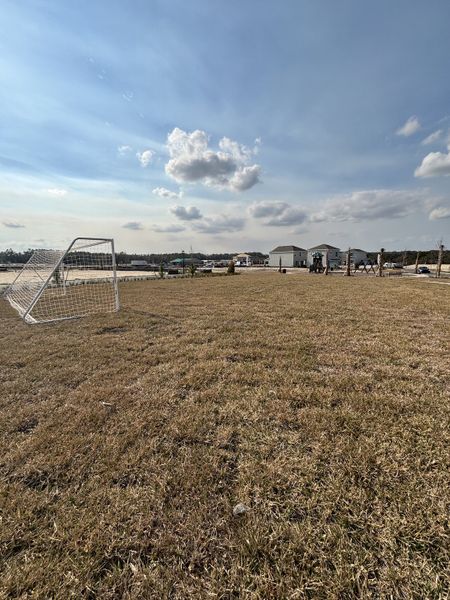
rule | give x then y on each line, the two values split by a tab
287	256
331	252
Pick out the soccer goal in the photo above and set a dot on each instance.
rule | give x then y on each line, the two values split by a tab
66	284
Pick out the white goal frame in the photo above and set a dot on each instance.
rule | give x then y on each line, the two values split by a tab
55	285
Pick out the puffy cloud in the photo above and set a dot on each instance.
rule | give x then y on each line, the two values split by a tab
133	225
168	228
409	128
434	164
440	212
192	161
145	157
370	204
186	213
57	192
220	224
122	150
433	137
163	192
278	214
13	225
245	178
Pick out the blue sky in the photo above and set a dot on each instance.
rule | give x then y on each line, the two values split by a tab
225	126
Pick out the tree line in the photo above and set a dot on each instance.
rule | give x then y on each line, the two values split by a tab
407	257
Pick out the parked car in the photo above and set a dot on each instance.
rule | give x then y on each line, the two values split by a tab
423	270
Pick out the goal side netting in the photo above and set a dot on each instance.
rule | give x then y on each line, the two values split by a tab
66	284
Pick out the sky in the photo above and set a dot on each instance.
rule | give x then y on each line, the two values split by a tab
225	126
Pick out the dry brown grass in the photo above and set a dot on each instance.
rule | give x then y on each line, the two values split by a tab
320	403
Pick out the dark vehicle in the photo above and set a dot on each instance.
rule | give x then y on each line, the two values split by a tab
423	270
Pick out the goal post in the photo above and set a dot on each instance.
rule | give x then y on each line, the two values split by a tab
66	284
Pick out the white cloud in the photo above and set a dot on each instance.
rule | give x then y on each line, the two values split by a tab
168	228
192	161
128	96
220	224
441	212
13	225
278	214
433	137
434	164
122	150
145	157
409	128
370	204
133	225
163	192
57	192
189	213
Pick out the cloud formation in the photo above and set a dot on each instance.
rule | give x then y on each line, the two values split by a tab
220	224
440	212
370	204
186	213
122	150
278	214
57	192
433	137
409	128
191	161
163	192
145	157
133	225
434	164
13	225
168	228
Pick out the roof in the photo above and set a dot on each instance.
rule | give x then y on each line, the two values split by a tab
324	247
288	249
357	250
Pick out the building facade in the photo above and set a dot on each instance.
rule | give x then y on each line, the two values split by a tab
287	256
331	252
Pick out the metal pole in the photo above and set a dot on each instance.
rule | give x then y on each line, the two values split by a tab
116	287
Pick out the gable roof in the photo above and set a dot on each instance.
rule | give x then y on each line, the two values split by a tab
324	247
287	249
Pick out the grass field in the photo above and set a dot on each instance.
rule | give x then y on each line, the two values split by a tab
321	403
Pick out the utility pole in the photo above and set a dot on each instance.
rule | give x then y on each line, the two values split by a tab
439	262
182	259
279	266
416	268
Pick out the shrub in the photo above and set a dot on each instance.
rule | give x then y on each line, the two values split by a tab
231	268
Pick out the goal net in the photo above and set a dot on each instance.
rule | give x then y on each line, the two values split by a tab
67	284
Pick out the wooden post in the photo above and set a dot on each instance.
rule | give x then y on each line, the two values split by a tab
327	264
349	255
416	268
439	262
279	267
380	262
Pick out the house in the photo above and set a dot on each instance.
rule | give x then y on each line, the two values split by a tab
357	257
331	252
287	256
243	260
